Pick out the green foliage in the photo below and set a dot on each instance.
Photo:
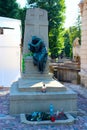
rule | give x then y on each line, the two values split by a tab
75	31
67	44
56	10
70	35
9	8
23	60
21	16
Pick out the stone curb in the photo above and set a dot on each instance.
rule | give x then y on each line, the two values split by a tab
70	120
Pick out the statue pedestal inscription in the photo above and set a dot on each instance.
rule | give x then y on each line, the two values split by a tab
36	89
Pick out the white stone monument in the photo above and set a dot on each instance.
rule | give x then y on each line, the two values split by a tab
28	94
83	50
76	50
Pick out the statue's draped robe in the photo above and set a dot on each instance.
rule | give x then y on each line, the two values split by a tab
38	48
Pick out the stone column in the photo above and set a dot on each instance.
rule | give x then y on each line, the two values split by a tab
83	72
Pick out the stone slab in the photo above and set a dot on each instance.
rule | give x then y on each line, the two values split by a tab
26	102
36	85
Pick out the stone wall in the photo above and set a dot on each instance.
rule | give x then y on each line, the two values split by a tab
83	72
66	72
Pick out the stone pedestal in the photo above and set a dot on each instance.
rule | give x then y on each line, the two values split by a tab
26	94
24	100
31	71
83	72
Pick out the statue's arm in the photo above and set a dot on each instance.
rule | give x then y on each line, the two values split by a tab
36	45
43	54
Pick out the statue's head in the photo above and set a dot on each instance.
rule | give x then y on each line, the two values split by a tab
35	39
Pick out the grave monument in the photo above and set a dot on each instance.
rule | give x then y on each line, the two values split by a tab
36	90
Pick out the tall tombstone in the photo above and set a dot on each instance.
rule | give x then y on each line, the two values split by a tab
36	24
83	72
35	91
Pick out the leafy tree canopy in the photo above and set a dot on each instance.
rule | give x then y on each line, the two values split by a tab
9	8
70	34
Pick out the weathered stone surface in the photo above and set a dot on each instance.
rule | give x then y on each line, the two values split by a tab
83	72
36	24
36	85
66	72
32	71
26	102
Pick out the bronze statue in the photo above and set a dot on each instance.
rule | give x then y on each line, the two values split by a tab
38	48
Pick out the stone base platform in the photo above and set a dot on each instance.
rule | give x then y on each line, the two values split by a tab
83	75
27	101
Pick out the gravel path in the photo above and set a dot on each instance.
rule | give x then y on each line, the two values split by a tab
8	122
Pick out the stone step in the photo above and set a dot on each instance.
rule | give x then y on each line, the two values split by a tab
34	85
36	75
35	70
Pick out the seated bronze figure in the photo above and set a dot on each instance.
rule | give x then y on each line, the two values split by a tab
38	48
